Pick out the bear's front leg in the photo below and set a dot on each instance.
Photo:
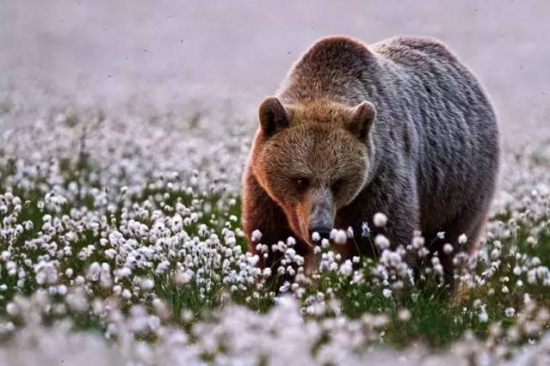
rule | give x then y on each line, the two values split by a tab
261	213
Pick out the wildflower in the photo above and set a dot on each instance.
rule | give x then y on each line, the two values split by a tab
417	242
12	309
532	241
285	287
256	236
404	315
365	229
438	268
509	312
380	220
340	237
315	236
447	248
382	242
346	268
483	316
183	277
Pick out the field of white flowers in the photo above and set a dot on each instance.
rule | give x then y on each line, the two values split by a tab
120	243
124	129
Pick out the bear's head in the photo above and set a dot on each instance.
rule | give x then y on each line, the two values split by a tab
313	159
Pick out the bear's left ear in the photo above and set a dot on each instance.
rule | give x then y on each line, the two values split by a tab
361	119
274	116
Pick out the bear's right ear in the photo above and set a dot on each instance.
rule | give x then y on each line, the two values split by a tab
274	116
361	119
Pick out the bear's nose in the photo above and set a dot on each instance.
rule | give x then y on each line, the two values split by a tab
323	232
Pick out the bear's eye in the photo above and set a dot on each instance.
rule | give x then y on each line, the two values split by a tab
301	183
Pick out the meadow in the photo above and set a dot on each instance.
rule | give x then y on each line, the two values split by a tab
120	243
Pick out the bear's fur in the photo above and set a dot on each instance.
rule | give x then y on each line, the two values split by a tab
401	127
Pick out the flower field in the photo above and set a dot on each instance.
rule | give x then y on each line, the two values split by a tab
120	243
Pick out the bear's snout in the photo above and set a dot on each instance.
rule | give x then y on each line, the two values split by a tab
320	213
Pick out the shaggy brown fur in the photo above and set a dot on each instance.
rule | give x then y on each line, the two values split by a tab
401	127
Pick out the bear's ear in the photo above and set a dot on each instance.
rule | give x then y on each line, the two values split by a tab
274	116
361	119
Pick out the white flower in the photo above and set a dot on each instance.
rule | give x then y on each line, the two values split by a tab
12	309
418	242
147	284
438	268
462	239
404	315
483	316
341	237
184	277
285	287
447	248
346	268
382	242
256	236
380	220
387	293
532	241
315	236
291	253
509	312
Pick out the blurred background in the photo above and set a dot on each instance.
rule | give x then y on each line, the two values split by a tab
169	53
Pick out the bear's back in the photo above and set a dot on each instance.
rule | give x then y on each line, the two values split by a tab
329	69
400	49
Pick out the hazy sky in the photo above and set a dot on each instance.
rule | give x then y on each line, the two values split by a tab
172	51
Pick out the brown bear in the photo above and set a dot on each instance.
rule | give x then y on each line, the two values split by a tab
401	127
